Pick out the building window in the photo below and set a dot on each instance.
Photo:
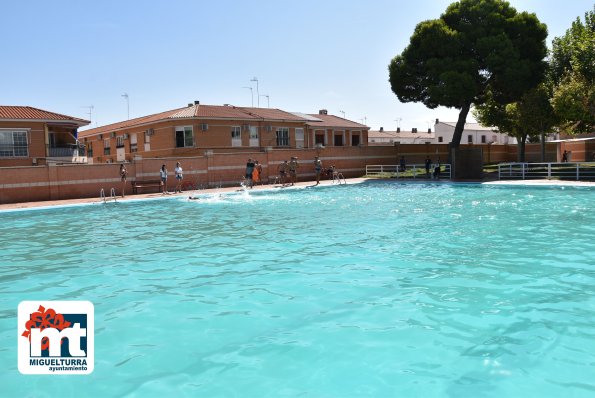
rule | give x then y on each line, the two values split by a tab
133	143
120	141
355	140
89	146
469	139
339	140
236	136
13	144
483	139
319	139
299	138
184	137
282	135
440	139
106	146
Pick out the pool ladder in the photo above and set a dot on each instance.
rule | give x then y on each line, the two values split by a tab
103	198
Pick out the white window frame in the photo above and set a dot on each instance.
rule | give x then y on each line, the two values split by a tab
282	136
236	136
188	140
13	147
299	137
107	146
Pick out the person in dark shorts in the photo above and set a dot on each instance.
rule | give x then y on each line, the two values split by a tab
249	171
123	174
283	168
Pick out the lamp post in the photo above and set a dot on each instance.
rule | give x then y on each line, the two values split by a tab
251	94
125	95
266	95
255	79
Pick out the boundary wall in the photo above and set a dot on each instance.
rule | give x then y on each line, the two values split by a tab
70	181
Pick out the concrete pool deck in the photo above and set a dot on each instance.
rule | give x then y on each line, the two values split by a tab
305	184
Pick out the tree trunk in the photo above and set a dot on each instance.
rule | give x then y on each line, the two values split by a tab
458	133
542	147
521	144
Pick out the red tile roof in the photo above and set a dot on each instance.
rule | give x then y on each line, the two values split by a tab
29	113
225	112
334	121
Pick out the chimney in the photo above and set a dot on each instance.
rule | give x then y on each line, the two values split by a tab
398	129
429	131
381	129
196	102
323	112
189	105
414	130
437	121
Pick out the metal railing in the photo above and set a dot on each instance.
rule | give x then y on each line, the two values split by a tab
411	171
562	171
63	152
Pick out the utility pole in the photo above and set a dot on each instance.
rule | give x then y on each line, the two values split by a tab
255	79
125	95
266	95
251	94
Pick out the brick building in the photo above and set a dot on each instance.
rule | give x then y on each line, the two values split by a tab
31	136
198	129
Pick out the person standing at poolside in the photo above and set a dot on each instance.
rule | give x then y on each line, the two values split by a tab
249	171
317	168
428	165
402	163
123	174
293	166
179	177
283	168
256	173
163	176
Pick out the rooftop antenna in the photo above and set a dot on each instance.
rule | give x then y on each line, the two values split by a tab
251	93
255	79
125	95
398	120
343	112
90	112
266	95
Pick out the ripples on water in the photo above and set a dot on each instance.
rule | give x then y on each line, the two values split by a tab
372	290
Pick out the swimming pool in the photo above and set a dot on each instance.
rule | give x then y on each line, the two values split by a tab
376	289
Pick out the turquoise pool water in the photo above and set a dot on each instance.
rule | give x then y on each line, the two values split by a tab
378	289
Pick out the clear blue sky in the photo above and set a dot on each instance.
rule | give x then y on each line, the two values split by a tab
307	55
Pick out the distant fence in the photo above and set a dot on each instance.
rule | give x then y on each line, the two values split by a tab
563	171
410	171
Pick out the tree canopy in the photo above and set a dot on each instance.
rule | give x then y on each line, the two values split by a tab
476	47
528	118
573	73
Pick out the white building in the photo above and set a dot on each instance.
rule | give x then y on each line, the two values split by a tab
474	133
385	137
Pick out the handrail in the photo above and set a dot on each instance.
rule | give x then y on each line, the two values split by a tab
563	171
102	195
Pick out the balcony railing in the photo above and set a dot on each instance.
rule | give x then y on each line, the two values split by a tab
65	152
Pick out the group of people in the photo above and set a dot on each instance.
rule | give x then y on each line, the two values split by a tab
288	171
179	175
436	172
